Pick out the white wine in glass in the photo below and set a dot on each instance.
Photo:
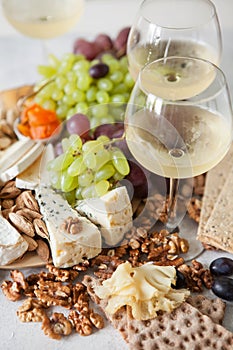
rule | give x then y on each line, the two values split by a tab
184	134
165	28
43	19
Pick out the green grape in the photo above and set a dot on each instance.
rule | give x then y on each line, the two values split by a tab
81	107
91	94
64	67
104	84
65	144
46	71
77	167
71	77
53	61
120	162
102	157
116	77
102	97
128	81
94	122
61	162
79	95
75	142
78	193
68	100
86	178
70	197
119	89
55	179
48	90
101	187
124	64
60	81
49	104
70	113
105	172
117	111
117	176
84	82
57	95
69	88
114	65
69	57
88	192
39	99
103	138
109	119
99	111
94	62
62	110
89	160
106	58
81	66
92	146
117	98
68	183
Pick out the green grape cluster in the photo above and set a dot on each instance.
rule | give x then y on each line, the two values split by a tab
87	170
73	90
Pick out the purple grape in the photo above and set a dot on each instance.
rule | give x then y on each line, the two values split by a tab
78	124
108	129
221	266
89	49
223	288
99	70
104	41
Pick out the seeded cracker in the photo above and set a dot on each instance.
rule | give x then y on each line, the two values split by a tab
186	327
215	180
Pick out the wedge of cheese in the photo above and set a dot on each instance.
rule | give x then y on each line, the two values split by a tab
113	212
37	172
12	244
67	249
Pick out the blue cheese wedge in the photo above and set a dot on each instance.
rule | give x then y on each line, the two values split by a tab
12	244
71	236
113	212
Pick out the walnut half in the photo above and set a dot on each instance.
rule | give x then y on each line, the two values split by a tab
72	225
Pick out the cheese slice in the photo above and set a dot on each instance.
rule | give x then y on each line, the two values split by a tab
14	153
23	163
113	212
12	244
37	172
67	249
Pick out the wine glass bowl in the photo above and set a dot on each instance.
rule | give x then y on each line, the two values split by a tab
42	18
174	28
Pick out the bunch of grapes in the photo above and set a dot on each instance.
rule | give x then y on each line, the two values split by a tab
86	170
99	88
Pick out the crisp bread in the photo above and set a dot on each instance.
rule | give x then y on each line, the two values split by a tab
219	230
215	180
123	322
185	328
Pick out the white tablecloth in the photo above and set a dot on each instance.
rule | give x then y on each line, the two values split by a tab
18	59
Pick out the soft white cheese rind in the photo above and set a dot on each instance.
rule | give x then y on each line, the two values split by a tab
12	244
67	249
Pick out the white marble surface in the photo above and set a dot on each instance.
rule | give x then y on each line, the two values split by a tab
18	58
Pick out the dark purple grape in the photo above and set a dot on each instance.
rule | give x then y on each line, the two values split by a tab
180	281
223	288
221	267
121	41
78	124
108	129
99	70
104	41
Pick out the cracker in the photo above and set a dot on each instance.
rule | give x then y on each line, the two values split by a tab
214	308
184	328
219	229
215	180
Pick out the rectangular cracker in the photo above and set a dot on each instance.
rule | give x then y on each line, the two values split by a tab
185	328
219	230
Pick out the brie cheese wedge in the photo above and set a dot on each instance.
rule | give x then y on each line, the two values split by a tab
37	172
113	212
12	244
67	249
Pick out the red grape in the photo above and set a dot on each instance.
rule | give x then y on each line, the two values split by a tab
78	124
108	129
104	41
89	49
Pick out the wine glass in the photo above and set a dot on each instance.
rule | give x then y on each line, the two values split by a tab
178	124
43	19
163	28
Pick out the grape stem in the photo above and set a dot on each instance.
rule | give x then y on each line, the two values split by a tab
116	139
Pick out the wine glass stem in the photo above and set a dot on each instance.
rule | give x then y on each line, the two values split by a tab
172	201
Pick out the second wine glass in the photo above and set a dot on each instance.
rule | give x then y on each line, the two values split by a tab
165	28
179	122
